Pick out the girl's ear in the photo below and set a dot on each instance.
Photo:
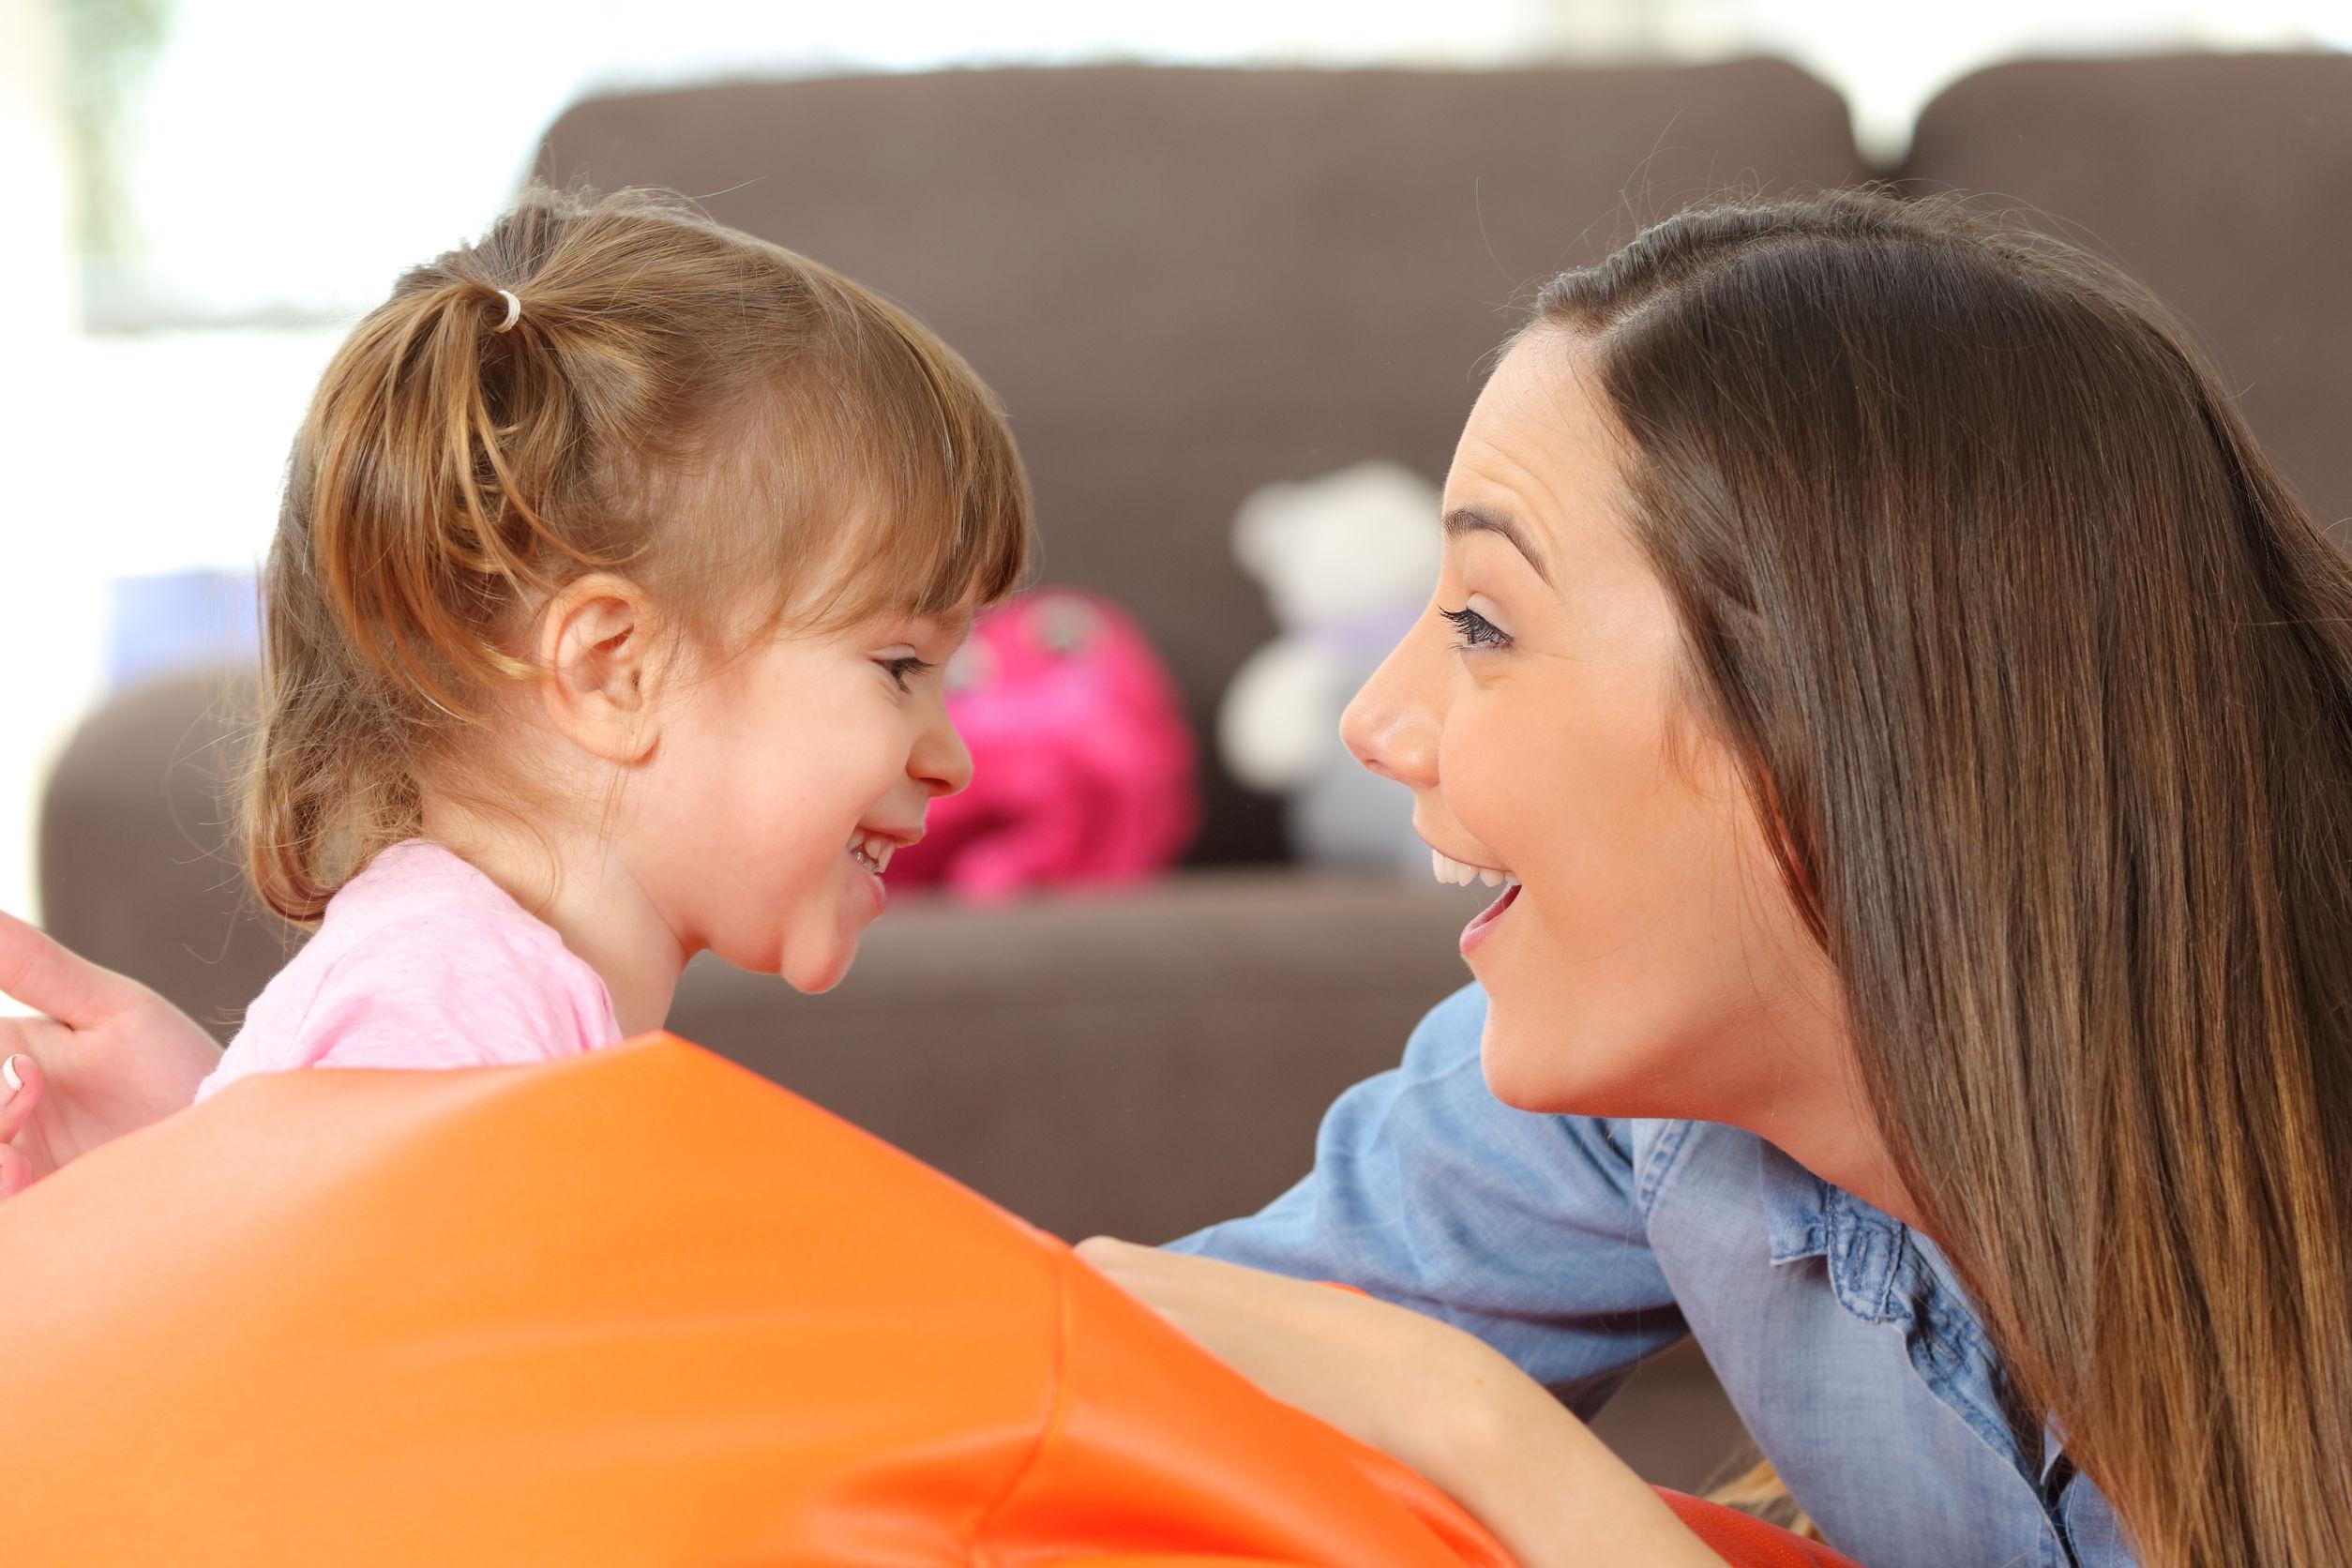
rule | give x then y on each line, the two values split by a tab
598	643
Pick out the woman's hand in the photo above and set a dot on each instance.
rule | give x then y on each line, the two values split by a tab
111	1057
1437	1399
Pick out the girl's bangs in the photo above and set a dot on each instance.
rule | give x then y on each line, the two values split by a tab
950	522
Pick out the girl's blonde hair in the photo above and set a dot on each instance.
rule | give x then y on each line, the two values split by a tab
724	422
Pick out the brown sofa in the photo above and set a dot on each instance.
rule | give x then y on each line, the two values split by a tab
1186	284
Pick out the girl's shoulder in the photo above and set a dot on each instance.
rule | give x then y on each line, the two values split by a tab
423	961
419	910
419	877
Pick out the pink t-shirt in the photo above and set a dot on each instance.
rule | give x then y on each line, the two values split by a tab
422	961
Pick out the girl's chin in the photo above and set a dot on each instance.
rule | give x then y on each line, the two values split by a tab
818	978
817	950
821	959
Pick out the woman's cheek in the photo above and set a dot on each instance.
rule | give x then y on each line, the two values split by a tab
1503	778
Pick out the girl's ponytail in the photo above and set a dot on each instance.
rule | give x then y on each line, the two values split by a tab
439	438
416	532
601	383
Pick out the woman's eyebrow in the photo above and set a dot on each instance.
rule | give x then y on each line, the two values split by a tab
1470	519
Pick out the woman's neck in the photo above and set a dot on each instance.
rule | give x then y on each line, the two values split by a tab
1830	1133
571	881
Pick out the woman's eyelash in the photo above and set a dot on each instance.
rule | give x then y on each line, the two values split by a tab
903	667
1475	630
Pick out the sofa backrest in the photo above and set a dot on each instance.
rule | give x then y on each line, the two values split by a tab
1186	284
2222	181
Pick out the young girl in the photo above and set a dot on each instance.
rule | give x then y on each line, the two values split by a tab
619	558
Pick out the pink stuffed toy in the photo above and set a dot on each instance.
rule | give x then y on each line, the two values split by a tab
1082	766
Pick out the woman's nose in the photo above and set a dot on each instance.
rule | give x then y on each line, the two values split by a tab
1392	725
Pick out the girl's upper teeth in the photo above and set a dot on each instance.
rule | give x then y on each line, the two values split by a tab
875	847
1454	871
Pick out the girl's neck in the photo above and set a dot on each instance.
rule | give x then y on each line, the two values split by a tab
586	893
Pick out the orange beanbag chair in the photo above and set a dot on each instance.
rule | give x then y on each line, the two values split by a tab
637	1309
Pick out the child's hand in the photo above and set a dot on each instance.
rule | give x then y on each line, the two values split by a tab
1441	1401
111	1057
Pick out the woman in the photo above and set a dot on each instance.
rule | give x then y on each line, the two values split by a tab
1915	716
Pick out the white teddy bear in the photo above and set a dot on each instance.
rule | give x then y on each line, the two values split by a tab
1346	562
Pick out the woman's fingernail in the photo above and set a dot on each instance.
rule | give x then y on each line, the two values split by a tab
7	1071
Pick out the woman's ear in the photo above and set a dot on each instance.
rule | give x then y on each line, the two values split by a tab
605	654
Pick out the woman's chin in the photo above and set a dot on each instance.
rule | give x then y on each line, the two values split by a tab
1554	1073
1509	1077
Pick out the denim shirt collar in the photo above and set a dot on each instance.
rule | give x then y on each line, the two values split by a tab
1884	1272
1862	1246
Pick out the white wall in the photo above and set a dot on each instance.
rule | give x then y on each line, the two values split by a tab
44	588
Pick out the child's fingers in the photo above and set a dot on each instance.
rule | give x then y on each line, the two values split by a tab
20	1089
42	975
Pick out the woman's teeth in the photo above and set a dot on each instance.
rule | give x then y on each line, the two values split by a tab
1462	876
873	851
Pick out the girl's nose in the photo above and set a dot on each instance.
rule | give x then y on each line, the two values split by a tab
941	762
1391	726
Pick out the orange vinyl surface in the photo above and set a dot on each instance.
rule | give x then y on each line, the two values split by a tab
637	1309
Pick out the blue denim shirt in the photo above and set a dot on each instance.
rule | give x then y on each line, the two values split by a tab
1577	1245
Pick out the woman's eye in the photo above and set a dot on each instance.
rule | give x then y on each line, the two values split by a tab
904	668
1474	630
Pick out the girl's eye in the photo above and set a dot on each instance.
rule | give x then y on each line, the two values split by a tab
1475	630
903	667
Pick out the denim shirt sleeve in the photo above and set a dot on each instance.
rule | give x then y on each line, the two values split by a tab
1520	1227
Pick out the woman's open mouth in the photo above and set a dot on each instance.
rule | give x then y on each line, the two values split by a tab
1447	869
1475	932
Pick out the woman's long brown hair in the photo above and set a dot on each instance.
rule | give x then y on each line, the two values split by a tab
2047	674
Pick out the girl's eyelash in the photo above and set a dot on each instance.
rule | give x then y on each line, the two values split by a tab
1475	630
903	667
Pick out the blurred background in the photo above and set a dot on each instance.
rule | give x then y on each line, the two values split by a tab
1233	267
208	192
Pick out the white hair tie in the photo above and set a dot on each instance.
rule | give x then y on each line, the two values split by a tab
514	312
